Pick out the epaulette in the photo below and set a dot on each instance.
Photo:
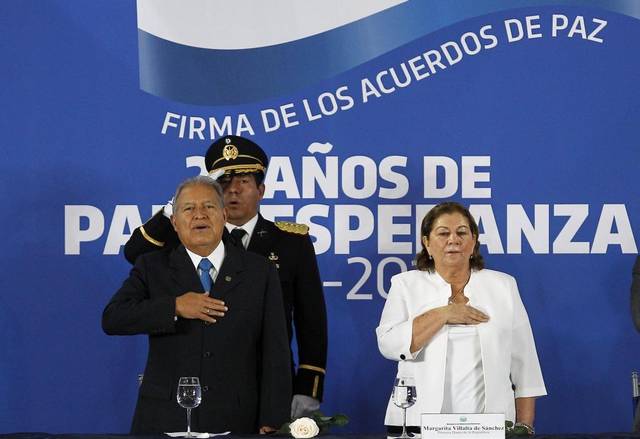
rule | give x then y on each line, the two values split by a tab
286	226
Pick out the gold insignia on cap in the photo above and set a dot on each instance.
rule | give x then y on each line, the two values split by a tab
298	229
229	152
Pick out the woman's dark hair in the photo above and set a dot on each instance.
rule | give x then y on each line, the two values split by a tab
423	261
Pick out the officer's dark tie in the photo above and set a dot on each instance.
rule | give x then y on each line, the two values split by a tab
204	266
237	234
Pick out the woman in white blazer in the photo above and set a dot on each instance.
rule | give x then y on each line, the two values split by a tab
459	330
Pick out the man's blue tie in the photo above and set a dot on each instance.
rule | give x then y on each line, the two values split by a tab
204	266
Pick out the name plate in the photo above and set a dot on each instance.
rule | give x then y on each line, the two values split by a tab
463	425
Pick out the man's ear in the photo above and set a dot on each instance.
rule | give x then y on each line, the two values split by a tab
173	222
224	214
261	190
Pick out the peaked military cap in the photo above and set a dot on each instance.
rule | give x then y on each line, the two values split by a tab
235	155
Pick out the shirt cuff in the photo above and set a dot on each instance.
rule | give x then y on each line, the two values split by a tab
529	392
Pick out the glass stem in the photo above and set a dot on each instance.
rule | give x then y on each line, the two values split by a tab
404	423
188	422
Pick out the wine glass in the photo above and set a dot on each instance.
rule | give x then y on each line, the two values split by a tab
404	396
189	396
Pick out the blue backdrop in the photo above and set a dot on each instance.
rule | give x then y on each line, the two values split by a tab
368	124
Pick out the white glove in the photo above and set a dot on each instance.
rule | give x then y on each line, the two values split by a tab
303	405
167	210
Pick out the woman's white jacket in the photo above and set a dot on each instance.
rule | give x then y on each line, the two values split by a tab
506	341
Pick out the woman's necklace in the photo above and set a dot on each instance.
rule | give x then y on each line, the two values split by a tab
460	291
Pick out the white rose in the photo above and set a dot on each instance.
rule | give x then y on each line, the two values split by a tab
304	428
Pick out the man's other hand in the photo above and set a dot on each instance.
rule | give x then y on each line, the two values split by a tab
303	405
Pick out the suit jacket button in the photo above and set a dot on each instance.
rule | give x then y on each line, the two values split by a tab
205	388
207	323
206	354
402	357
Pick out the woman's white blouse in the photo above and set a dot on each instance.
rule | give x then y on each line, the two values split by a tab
463	376
506	342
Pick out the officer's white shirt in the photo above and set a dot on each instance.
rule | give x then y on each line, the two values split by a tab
248	227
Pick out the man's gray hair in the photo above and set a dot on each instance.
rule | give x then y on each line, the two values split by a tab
197	181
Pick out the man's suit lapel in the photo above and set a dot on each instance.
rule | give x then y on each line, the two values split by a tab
230	272
183	271
262	238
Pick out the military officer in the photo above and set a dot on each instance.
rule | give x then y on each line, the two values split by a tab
240	166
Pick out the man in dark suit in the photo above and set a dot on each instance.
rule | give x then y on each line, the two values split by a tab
635	315
213	311
240	165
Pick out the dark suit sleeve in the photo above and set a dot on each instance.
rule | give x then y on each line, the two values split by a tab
310	320
275	380
155	234
132	310
635	294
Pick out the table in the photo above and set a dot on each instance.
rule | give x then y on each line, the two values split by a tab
39	435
